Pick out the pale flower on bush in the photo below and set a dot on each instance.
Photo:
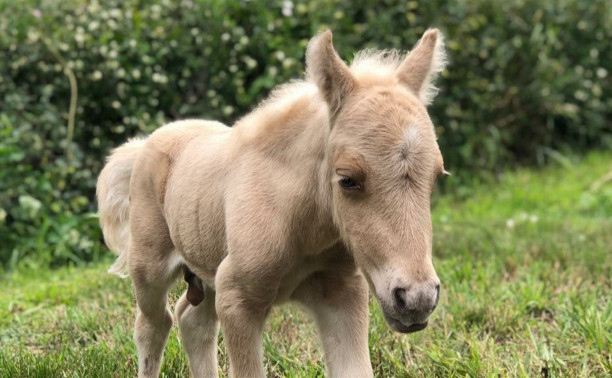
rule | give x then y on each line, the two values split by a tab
85	243
601	72
227	110
73	237
93	25
30	204
287	8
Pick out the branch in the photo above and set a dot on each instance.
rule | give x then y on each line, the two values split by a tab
73	96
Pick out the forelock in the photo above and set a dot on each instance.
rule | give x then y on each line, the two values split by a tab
377	62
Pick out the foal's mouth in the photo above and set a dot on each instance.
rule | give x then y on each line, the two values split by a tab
402	328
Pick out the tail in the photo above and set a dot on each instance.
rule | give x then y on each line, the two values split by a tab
113	192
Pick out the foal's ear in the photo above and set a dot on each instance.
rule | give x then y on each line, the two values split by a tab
325	68
423	64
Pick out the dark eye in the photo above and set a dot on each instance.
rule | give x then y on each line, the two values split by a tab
348	183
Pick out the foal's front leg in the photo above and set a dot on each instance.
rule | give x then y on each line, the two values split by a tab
242	303
339	303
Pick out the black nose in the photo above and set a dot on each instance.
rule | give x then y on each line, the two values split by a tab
420	299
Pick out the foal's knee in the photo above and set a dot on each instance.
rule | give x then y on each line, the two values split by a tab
152	325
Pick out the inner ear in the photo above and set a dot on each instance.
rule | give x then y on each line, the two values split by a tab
328	71
422	66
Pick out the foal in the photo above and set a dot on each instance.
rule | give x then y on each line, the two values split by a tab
322	191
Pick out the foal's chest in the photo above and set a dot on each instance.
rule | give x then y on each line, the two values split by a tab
334	259
300	272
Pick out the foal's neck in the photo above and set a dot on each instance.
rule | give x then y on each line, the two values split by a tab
293	130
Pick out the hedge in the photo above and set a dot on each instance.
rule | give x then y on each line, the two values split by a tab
527	81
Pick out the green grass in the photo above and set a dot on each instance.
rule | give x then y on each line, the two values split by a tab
526	270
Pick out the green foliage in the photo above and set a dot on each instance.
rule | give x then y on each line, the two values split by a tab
43	213
527	78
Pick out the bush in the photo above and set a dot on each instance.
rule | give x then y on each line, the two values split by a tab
527	78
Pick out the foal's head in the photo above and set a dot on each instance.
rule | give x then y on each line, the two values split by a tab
384	161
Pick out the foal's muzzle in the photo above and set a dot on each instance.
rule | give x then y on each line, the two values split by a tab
412	305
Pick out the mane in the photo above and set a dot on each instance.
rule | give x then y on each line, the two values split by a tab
377	62
287	93
368	62
271	111
365	62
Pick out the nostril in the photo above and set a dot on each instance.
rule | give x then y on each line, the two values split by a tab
399	296
437	295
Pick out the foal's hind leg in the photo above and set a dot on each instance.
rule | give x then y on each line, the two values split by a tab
339	303
152	273
199	328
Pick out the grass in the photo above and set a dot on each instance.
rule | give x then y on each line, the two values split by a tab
526	270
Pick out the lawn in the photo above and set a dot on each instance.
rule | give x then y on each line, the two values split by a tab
526	271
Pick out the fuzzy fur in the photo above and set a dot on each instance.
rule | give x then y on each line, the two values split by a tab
257	211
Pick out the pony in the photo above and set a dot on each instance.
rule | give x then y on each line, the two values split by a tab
319	195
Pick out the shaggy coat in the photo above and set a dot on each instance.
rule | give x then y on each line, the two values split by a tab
320	193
